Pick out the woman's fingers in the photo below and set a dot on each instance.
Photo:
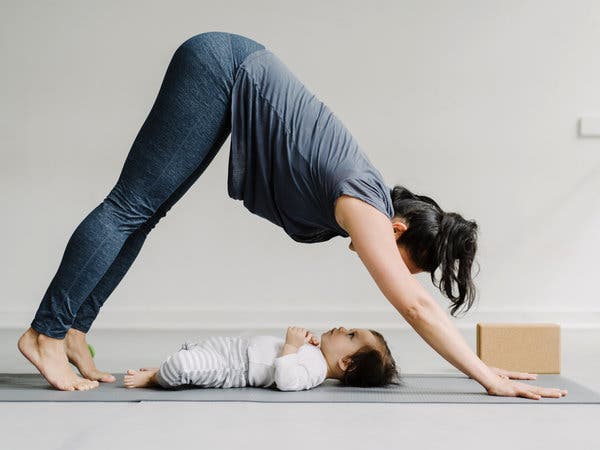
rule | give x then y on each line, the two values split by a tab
514	375
551	392
538	391
508	388
521	375
528	393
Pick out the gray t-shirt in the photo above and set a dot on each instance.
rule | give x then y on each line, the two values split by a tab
291	157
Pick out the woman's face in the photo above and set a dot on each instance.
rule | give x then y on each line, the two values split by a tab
399	227
405	256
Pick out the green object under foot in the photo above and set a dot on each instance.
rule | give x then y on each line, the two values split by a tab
93	353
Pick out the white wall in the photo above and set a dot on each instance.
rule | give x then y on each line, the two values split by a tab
473	103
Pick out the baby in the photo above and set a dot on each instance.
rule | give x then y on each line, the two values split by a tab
355	357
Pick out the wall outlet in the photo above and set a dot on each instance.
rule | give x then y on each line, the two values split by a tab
589	126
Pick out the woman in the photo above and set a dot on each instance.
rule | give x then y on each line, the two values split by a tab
293	163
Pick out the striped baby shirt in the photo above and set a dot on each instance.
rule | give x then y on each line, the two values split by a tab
239	361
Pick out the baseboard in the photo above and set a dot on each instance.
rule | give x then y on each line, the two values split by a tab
322	318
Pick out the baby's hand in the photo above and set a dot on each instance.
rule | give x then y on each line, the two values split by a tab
298	336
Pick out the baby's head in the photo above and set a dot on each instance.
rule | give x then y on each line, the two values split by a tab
358	357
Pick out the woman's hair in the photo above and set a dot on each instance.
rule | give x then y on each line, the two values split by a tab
435	238
369	367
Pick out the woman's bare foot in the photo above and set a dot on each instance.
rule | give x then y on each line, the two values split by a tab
78	354
49	358
140	378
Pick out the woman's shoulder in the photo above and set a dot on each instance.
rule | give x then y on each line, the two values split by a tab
355	200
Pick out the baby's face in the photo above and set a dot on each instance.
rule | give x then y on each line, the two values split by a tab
340	342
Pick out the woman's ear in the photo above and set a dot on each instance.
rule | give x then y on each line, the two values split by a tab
399	227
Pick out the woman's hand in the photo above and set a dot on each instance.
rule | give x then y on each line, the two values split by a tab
513	375
298	336
504	387
508	374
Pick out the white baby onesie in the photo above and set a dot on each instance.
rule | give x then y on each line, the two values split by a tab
304	369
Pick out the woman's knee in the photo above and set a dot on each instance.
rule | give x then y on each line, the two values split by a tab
127	210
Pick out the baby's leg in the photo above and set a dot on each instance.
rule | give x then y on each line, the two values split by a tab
200	365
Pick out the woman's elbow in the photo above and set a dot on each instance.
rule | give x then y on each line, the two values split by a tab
414	311
408	298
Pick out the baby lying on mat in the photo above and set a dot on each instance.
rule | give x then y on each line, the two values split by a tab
356	357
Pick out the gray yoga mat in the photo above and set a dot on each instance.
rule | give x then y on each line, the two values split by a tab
418	388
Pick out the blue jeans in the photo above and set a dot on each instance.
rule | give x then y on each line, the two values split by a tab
187	125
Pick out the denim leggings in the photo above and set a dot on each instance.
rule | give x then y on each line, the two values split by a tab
187	125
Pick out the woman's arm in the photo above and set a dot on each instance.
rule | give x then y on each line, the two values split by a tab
373	240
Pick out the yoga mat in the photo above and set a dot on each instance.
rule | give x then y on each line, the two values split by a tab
418	388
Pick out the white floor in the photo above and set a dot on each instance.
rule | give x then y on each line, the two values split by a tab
161	425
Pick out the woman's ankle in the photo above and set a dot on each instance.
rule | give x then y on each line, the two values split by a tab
50	340
75	333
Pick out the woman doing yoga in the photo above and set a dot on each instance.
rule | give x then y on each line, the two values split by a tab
291	162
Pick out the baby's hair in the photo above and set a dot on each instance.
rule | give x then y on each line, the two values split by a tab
371	367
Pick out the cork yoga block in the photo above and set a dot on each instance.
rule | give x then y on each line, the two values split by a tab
522	347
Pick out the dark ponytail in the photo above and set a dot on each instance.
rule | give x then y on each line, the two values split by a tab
435	238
